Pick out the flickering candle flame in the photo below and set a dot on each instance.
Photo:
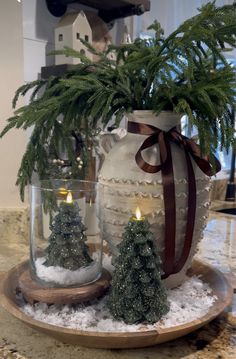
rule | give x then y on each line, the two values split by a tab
138	214
69	198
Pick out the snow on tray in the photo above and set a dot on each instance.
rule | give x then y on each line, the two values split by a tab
188	302
64	276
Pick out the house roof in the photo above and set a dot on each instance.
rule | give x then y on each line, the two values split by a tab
98	26
67	19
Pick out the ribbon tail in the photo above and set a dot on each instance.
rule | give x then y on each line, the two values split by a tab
192	200
170	210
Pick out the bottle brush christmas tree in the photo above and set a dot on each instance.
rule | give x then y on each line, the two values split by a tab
137	293
67	247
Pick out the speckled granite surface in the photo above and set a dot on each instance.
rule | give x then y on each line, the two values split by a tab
216	340
219	184
14	224
14	229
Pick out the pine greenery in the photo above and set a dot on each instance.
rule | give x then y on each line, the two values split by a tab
186	72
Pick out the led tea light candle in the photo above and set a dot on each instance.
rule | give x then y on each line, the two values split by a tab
67	197
138	222
67	246
137	293
64	196
138	216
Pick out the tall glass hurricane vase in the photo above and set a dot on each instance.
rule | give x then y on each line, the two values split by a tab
66	249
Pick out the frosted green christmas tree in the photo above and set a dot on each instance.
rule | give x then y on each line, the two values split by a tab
137	293
67	247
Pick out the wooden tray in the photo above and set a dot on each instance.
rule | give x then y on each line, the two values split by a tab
34	292
210	275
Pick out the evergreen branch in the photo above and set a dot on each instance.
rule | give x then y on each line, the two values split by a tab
12	123
25	88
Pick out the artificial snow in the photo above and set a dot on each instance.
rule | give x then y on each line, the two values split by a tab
188	302
65	277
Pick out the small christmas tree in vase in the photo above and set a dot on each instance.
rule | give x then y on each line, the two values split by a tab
64	269
67	260
137	293
67	247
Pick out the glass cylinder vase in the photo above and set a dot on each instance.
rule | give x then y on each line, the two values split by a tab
65	248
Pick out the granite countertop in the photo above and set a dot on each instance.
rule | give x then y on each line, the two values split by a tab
216	340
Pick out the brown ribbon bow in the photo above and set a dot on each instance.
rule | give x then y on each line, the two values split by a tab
157	136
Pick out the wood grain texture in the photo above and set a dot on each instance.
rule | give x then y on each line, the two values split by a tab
35	292
210	275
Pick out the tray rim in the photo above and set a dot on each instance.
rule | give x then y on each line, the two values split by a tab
218	307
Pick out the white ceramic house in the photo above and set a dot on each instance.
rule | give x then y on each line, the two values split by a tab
71	28
83	25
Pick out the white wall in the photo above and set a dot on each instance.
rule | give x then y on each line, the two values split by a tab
11	75
171	13
38	33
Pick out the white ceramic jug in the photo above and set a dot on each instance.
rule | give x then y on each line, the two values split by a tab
126	186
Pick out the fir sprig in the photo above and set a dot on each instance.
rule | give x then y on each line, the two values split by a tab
185	72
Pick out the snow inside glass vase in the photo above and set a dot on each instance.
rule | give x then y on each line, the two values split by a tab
66	249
